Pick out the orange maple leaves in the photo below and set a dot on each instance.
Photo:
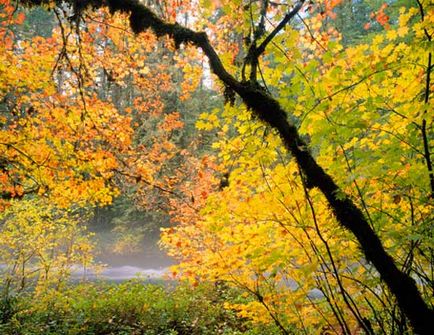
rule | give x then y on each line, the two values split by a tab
75	110
380	16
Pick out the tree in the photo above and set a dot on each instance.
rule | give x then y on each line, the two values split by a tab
54	138
39	246
70	142
271	111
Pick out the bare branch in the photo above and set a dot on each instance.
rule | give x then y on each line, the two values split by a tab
288	17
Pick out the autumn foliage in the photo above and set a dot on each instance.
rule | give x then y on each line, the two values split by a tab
363	110
84	118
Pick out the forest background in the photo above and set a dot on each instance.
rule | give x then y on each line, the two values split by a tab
285	155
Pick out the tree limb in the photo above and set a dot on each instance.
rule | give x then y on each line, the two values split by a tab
269	110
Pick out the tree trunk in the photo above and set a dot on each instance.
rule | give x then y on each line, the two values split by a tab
347	213
268	110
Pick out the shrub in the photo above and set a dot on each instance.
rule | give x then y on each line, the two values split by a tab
130	308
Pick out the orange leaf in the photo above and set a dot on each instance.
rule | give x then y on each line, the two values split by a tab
20	18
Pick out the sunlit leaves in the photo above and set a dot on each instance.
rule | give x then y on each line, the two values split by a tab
361	108
74	109
40	244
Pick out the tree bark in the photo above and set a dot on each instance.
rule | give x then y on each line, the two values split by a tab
266	108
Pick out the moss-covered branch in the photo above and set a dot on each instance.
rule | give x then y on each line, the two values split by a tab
269	111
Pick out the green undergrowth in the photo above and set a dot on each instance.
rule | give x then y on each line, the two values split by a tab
127	308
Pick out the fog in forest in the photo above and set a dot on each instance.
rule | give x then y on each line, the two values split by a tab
126	241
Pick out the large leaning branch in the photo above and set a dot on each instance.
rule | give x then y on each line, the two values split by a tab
269	111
